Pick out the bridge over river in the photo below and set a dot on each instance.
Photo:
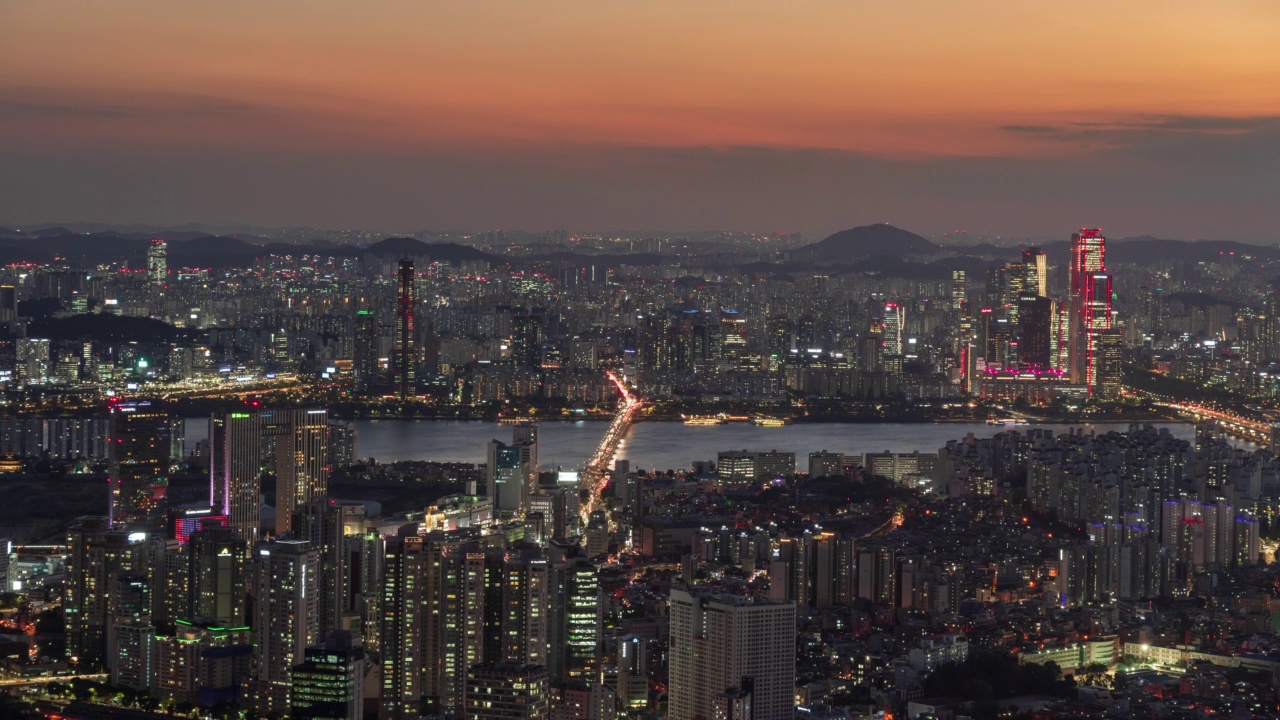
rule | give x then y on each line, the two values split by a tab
595	474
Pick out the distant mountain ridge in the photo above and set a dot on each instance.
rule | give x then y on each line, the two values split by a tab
221	251
866	241
878	249
872	246
413	247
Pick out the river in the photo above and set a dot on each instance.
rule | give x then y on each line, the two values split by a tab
660	445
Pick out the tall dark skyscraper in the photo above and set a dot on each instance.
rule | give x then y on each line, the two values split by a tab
1035	325
526	340
87	587
217	562
525	437
1002	346
1270	331
506	477
138	454
8	303
325	524
365	355
405	355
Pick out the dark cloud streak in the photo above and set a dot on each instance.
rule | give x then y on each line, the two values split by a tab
1170	176
37	103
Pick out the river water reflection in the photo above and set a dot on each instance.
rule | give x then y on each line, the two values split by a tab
662	445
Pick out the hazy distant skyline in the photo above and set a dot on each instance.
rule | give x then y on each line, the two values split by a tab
999	117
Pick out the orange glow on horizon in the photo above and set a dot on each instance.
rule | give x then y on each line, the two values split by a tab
913	79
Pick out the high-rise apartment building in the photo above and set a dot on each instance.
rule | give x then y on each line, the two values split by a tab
524	588
526	340
487	605
131	651
85	599
34	364
405	588
129	623
718	641
326	524
109	597
285	596
1002	344
138	458
302	457
404	360
235	469
1269	332
200	662
344	445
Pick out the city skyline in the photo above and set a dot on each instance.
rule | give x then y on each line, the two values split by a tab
1002	119
1028	459
648	361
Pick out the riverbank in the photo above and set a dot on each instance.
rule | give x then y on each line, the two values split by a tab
812	412
654	444
908	415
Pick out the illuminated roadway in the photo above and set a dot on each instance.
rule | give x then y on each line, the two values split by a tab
893	523
224	389
20	682
596	472
1255	431
1251	430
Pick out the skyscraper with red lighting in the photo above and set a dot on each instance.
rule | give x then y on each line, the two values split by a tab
405	356
1090	304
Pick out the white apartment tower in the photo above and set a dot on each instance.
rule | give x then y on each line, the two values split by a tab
717	641
286	611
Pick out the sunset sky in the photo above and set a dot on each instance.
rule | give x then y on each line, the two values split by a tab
1016	118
